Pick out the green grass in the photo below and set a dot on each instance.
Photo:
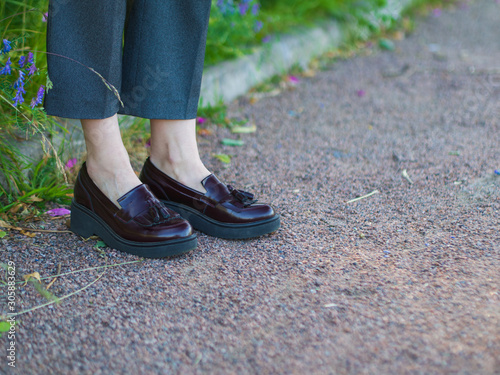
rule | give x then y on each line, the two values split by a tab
31	185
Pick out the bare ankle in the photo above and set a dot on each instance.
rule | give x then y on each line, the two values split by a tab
113	182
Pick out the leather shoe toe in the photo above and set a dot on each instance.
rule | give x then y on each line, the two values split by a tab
142	226
221	212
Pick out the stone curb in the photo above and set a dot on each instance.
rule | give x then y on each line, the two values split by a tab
229	80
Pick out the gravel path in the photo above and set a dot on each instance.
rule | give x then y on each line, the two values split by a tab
405	281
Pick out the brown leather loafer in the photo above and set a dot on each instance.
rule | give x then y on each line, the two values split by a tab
143	226
221	212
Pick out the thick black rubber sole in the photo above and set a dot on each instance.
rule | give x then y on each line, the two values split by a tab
85	223
219	229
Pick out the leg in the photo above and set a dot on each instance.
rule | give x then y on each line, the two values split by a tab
163	58
108	163
82	35
175	152
109	200
162	69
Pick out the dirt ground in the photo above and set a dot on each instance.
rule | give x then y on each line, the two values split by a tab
405	281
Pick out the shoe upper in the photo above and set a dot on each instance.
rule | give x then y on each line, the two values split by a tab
221	202
142	217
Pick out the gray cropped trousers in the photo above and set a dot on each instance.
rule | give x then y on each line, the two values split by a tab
151	51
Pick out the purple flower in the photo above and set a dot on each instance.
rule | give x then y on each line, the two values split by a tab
255	9
45	16
22	61
30	58
361	93
436	12
293	79
19	99
39	99
6	70
258	26
19	86
70	163
201	120
32	70
20	81
59	212
243	7
266	39
6	47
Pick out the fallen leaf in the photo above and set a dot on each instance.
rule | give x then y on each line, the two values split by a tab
16	208
3	224
4	326
204	132
2	234
399	35
226	159
58	212
244	129
309	73
34	198
232	142
386	44
34	275
28	234
100	244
